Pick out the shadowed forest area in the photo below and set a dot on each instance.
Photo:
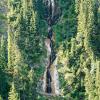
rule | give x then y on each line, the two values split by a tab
50	50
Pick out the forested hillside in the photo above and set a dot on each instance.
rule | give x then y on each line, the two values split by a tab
50	50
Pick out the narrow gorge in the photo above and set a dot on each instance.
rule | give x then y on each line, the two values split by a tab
50	79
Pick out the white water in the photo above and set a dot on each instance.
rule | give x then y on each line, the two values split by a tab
53	7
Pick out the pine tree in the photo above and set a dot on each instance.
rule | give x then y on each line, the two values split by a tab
86	25
24	49
98	79
32	81
3	67
13	95
3	54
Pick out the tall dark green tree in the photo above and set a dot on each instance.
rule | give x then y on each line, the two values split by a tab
24	48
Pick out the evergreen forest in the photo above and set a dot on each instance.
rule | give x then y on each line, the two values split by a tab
49	49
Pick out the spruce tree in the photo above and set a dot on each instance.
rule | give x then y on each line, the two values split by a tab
86	26
13	95
24	49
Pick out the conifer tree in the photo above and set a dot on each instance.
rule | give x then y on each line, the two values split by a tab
13	95
3	54
86	26
23	42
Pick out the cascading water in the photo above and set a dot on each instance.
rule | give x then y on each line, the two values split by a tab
52	14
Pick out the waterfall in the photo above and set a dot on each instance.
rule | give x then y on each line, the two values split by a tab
50	82
53	7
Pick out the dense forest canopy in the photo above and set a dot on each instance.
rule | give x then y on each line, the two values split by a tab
73	47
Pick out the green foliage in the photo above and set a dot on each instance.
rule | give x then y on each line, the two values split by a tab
4	87
3	54
78	71
1	98
13	95
71	75
77	46
67	24
94	39
3	18
24	46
